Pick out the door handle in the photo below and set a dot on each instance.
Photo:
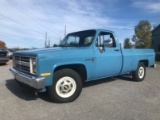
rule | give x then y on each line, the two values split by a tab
116	49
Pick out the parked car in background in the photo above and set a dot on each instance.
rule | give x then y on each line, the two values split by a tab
10	53
3	56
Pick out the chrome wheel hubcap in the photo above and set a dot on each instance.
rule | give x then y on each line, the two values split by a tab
65	87
141	72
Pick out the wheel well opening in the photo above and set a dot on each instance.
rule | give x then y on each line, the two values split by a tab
145	62
79	68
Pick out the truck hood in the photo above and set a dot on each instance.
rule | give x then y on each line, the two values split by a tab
56	51
41	51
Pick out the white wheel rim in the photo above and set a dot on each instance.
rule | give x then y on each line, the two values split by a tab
141	72
66	87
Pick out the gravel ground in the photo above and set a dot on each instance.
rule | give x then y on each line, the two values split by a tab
108	99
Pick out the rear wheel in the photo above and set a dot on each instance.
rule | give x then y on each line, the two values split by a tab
140	73
66	87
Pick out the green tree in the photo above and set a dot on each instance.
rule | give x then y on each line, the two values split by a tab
127	43
142	37
55	45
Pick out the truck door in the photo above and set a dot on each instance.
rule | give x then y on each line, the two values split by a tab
108	56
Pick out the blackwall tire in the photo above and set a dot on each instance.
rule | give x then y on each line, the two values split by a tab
66	87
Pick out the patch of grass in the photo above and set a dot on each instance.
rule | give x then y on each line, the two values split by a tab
158	62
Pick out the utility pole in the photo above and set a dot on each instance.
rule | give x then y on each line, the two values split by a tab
46	40
49	42
65	31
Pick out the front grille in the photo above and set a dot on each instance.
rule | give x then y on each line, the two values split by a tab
25	64
3	54
22	63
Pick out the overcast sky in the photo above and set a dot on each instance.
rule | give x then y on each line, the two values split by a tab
23	23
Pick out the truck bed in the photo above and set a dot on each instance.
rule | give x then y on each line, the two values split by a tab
131	57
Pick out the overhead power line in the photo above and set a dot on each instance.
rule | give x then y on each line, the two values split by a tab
3	33
11	19
27	14
18	23
8	34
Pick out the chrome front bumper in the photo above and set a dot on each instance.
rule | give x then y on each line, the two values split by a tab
32	81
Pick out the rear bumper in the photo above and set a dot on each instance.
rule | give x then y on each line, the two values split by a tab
35	82
4	59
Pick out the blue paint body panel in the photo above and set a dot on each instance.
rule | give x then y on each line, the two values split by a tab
111	62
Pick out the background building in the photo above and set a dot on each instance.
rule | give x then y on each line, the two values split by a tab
156	41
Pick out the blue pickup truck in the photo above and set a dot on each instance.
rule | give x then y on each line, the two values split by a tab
81	56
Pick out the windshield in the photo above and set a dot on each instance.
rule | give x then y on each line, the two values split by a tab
78	39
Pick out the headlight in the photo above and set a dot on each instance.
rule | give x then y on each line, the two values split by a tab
33	66
34	63
9	54
34	69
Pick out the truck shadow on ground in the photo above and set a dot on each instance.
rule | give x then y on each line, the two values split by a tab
3	64
29	94
106	80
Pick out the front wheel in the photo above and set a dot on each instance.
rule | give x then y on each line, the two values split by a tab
66	87
139	74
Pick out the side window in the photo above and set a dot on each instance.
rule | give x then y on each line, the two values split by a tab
88	40
72	40
106	39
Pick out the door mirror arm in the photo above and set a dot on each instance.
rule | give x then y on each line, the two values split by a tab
101	48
